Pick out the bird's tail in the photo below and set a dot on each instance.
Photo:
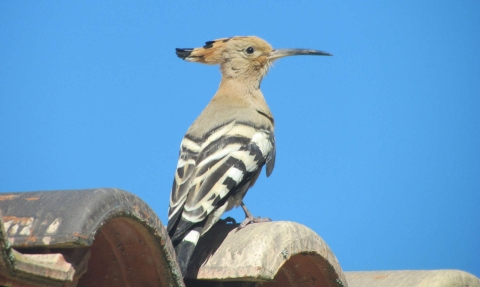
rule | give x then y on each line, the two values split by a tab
184	249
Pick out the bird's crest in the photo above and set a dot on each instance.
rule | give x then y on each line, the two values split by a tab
209	54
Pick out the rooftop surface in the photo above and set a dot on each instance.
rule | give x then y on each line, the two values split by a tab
110	237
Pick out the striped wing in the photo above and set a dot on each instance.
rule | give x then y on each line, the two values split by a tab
214	169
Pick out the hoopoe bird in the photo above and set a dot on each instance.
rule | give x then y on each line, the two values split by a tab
226	147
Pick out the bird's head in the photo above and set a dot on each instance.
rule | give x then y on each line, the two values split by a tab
241	57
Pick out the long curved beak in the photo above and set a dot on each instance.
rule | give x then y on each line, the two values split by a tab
280	53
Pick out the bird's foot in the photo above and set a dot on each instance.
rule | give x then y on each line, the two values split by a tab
249	218
252	219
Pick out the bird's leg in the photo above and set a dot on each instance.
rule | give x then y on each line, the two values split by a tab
249	218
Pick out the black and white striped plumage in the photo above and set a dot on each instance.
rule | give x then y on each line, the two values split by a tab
214	173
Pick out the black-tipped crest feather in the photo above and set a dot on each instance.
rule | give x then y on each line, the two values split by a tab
208	44
183	53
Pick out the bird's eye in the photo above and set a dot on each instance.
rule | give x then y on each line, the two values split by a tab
250	50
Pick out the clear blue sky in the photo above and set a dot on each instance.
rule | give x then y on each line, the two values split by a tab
378	147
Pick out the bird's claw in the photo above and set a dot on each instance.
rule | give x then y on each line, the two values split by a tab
252	219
